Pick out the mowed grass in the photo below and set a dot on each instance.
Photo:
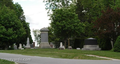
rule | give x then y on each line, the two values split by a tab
69	54
6	62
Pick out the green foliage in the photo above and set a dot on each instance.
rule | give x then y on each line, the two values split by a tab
79	9
117	45
56	4
51	35
104	43
6	62
20	14
93	9
13	27
7	3
89	14
65	23
10	26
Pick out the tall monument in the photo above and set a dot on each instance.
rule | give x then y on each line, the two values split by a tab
44	38
28	43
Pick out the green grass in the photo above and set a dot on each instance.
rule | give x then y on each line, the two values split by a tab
70	54
6	62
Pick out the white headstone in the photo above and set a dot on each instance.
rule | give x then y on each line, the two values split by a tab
20	46
53	46
15	47
28	44
78	48
61	45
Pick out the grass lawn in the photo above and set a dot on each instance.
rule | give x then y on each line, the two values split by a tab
6	62
70	54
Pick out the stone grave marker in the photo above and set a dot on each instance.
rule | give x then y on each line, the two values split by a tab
44	38
20	47
78	48
91	44
69	47
28	43
15	47
61	46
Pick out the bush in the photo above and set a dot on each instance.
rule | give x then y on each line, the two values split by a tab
117	45
104	43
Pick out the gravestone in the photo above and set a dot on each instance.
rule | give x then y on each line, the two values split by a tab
69	47
52	45
15	47
44	38
33	44
23	45
91	44
78	48
61	46
28	44
20	47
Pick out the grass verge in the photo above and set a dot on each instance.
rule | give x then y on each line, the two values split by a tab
69	54
6	62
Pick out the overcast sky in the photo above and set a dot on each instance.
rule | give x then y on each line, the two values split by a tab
35	13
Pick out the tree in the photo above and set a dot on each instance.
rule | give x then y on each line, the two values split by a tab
20	14
11	27
7	3
79	11
65	23
24	31
108	24
117	45
56	4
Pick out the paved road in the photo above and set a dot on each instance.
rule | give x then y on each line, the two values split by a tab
23	59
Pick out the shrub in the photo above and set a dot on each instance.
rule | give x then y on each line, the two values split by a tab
117	45
104	43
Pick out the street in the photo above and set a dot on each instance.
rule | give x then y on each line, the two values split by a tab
24	59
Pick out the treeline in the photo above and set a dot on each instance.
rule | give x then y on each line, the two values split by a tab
73	21
13	26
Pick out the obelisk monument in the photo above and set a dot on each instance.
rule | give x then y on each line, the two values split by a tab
28	43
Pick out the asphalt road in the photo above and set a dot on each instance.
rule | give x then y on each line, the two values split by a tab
23	59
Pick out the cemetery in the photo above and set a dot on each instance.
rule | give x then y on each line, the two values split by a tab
78	29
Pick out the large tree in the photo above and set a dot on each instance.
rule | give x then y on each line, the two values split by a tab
65	23
108	25
20	14
11	27
15	13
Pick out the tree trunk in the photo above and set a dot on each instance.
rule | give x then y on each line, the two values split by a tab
65	44
68	42
112	42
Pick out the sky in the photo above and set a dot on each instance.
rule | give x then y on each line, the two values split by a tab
35	13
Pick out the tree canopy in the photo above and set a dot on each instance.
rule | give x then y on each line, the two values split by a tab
13	26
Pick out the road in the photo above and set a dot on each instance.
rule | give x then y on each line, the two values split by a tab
23	59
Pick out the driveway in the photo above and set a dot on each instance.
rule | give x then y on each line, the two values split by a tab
24	59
